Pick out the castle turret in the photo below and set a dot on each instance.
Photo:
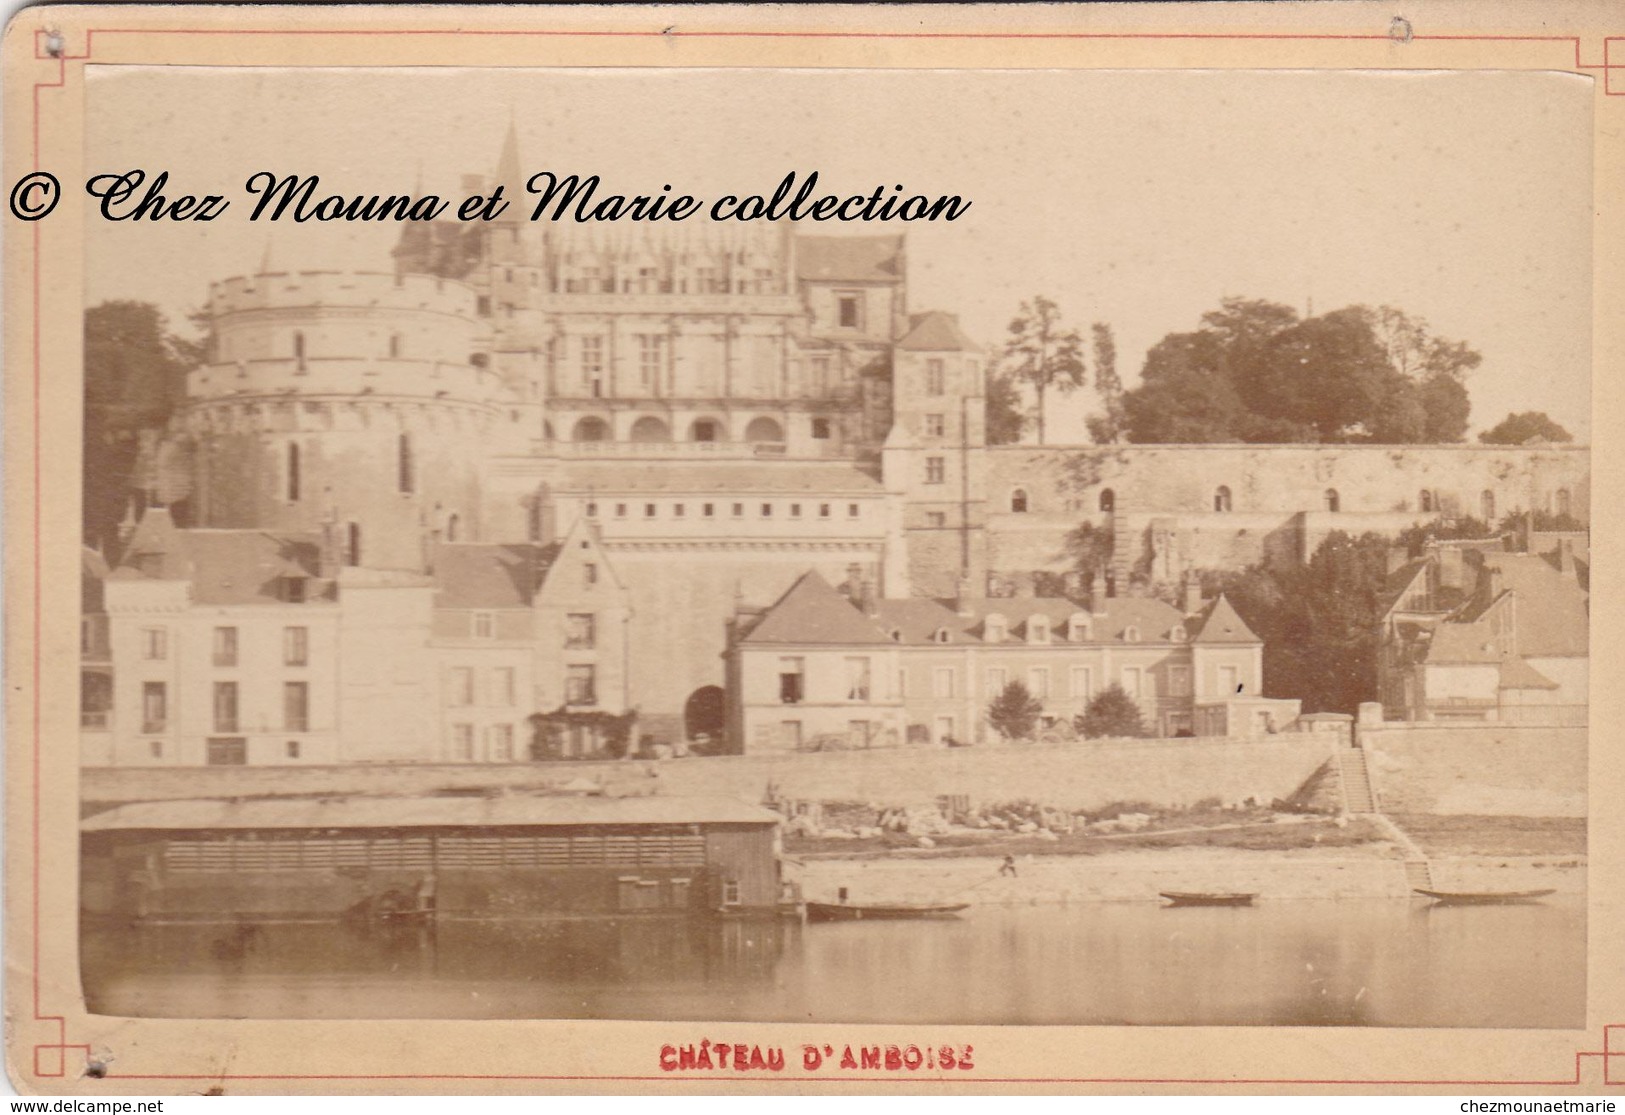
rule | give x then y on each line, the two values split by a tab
351	398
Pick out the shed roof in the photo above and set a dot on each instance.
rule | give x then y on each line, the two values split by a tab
417	812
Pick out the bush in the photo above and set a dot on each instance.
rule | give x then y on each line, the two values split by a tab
1112	713
1014	712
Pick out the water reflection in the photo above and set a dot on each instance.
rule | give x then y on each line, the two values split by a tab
1381	963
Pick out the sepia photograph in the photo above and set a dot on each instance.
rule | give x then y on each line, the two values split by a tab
1152	586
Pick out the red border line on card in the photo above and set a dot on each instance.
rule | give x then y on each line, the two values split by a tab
50	1059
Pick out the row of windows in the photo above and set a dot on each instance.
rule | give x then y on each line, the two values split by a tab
711	510
650	430
1137	681
226	752
226	707
295	645
1427	500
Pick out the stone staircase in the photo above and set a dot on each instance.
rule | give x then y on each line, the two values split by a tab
1123	548
1356	781
1360	798
1418	875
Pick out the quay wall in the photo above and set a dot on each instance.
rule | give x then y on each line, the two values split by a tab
1079	775
1505	769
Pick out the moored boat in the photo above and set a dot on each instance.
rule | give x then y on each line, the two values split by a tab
1483	898
841	911
1204	898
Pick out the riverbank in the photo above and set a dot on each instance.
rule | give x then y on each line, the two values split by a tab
1367	871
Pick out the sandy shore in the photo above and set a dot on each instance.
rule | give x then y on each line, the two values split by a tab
1141	874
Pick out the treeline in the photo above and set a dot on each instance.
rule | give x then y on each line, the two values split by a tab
1253	371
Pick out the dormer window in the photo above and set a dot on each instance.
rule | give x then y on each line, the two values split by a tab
1177	634
994	629
294	589
1077	629
1018	501
942	635
484	625
1108	500
1131	634
1221	498
1038	629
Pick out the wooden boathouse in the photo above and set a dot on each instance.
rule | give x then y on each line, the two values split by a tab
458	857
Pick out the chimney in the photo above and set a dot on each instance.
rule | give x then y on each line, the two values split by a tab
866	598
1097	596
1072	584
1193	596
1565	555
962	604
851	587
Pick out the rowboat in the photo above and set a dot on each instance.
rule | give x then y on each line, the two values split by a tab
840	911
1483	898
1188	898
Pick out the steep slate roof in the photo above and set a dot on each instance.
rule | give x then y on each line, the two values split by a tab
850	259
742	478
478	575
223	566
1552	619
420	812
813	612
1397	585
1463	644
156	545
243	566
1219	623
935	331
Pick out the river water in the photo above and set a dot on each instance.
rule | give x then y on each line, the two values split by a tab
1374	962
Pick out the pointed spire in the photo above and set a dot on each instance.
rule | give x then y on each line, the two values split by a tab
508	175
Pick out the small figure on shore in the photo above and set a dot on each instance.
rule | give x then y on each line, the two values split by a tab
1008	867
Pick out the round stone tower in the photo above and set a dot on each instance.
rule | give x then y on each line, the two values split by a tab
356	405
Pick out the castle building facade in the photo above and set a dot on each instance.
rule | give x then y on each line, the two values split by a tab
846	670
719	412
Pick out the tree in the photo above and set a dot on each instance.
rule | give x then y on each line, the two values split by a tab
1112	713
1106	429
1090	547
135	376
1185	395
1256	372
1042	353
1014	712
1003	405
1520	429
1318	621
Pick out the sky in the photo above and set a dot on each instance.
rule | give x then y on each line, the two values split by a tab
1136	198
